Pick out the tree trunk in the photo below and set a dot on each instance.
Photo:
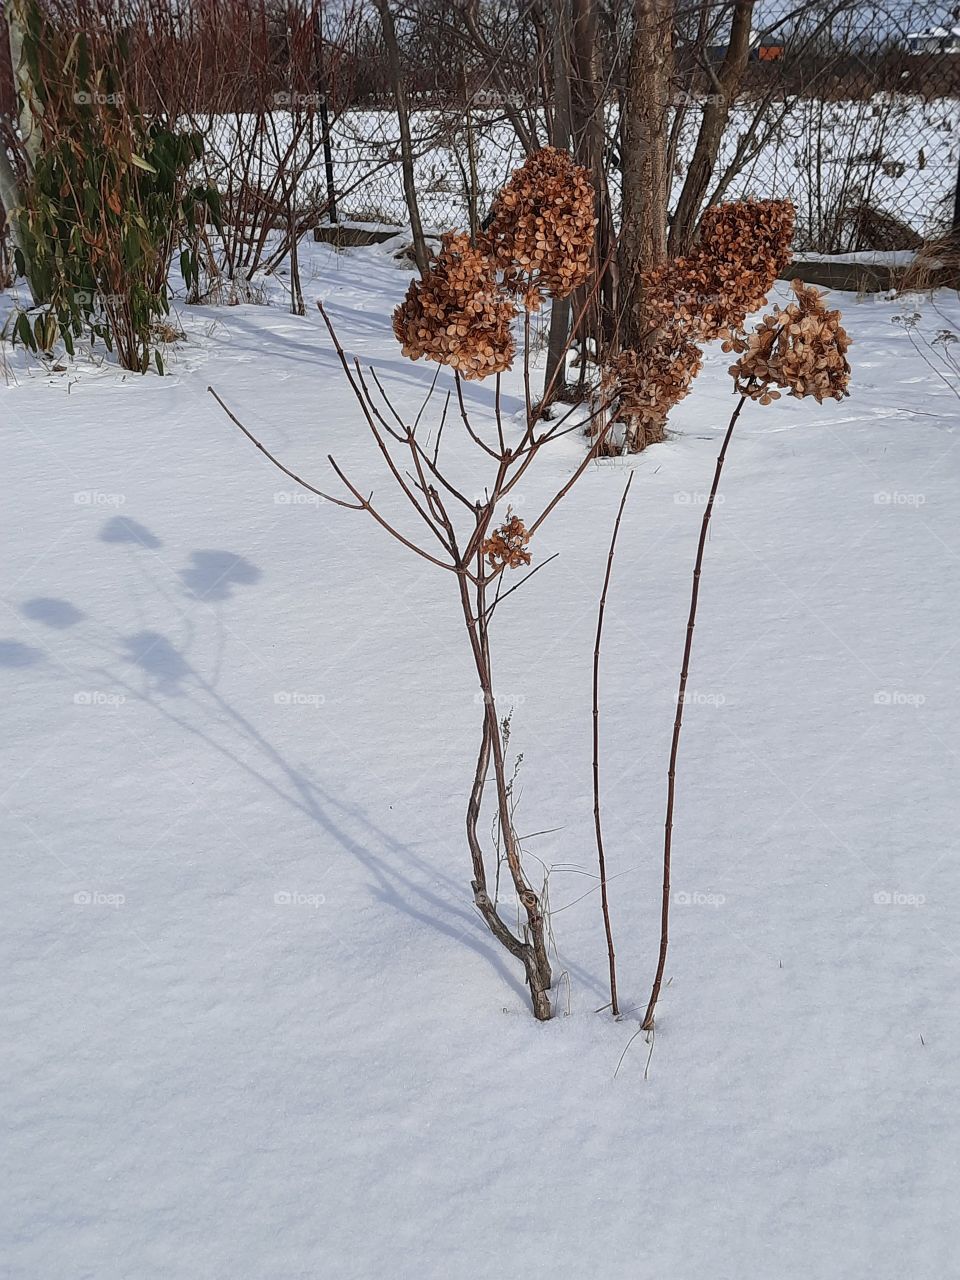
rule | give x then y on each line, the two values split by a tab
555	379
646	182
589	138
716	112
11	196
406	144
28	103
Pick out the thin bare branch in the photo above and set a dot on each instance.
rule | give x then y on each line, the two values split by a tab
340	502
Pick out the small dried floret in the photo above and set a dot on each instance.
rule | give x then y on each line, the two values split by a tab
507	546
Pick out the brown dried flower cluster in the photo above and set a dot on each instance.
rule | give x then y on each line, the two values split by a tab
457	314
542	229
507	546
647	384
801	347
743	247
706	295
539	241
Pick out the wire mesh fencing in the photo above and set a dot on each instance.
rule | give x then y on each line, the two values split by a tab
856	117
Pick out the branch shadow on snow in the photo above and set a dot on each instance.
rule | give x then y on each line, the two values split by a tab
403	374
212	575
398	883
151	668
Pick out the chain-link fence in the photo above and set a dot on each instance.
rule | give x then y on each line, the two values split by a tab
855	116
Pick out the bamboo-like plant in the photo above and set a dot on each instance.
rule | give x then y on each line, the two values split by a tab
106	200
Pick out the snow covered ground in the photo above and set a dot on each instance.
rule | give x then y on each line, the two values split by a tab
253	1027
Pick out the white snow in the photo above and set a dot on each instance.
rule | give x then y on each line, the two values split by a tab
254	1029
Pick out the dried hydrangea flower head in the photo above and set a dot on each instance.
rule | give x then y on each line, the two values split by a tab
506	548
542	227
706	295
647	384
801	348
743	247
755	234
457	314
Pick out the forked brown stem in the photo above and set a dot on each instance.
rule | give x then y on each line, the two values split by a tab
429	492
532	950
647	1023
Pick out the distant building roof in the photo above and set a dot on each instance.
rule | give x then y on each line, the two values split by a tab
935	33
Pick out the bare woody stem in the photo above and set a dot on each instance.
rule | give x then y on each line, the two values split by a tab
533	951
427	489
647	1023
601	857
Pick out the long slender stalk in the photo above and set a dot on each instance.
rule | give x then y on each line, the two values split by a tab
601	857
678	722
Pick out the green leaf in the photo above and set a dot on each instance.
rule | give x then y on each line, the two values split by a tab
25	332
141	163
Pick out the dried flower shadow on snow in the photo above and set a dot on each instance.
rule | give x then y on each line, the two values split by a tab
212	575
59	614
180	693
15	655
123	529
